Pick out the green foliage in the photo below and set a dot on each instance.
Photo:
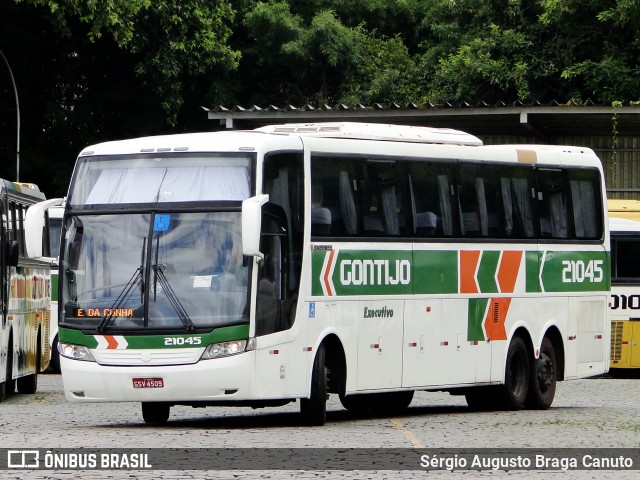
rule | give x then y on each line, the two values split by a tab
89	70
114	16
485	68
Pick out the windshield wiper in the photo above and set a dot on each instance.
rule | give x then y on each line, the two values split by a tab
173	298
136	279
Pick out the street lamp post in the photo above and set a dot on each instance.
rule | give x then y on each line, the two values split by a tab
15	91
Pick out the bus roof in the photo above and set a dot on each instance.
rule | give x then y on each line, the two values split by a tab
376	131
29	189
624	208
618	225
365	138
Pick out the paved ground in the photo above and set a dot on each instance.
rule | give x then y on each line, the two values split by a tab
593	413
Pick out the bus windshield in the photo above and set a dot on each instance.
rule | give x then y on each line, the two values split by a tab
155	271
146	179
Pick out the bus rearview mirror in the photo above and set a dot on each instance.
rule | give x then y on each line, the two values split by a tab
34	226
252	224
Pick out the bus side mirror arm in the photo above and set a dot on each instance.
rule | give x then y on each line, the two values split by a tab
252	224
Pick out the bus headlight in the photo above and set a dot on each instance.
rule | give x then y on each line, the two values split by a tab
224	349
75	352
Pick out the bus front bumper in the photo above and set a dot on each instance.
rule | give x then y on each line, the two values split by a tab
221	379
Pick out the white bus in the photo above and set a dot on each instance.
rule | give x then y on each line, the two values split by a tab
625	296
296	261
25	296
45	218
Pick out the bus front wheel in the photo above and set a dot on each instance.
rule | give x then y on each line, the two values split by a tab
513	393
54	363
542	388
155	413
314	408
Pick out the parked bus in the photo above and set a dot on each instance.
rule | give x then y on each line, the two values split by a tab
46	217
284	264
625	295
620	208
25	295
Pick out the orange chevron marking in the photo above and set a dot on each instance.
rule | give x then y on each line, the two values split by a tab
325	278
468	266
112	343
496	316
508	270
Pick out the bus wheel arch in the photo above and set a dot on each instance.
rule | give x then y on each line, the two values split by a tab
328	375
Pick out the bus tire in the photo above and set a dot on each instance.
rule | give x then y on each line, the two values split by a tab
10	383
2	394
54	363
314	408
155	413
512	395
542	387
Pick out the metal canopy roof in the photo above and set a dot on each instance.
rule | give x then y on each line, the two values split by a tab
541	121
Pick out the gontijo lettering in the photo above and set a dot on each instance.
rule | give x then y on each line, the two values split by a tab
375	272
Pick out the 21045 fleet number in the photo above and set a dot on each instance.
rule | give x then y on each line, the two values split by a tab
172	342
577	271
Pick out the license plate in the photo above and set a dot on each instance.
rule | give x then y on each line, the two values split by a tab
155	382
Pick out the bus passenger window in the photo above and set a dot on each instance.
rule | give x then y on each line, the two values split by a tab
554	218
515	190
430	198
320	214
585	196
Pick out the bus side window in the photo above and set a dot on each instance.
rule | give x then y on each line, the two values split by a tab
585	196
271	314
553	211
321	216
430	191
384	215
515	189
625	261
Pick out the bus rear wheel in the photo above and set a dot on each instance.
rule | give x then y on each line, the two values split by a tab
512	395
155	413
314	408
542	388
